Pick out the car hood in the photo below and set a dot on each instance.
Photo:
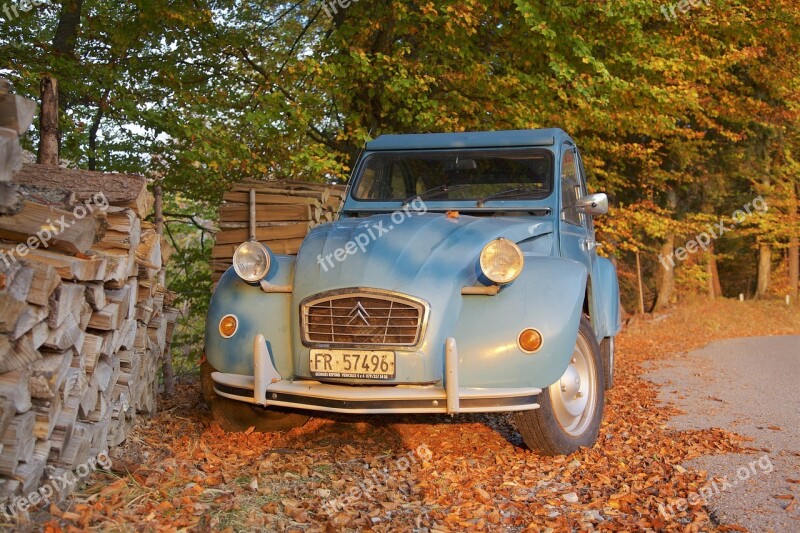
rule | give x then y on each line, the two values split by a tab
416	253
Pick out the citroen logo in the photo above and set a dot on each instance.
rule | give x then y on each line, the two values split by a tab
358	312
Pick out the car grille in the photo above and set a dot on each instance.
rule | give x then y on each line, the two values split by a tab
363	319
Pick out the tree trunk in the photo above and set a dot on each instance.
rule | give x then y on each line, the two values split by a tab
64	42
639	277
764	266
665	279
794	269
714	287
48	122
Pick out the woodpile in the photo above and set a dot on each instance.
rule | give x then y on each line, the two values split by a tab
84	321
277	213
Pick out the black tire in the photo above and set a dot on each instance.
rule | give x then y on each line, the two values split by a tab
544	429
234	416
607	354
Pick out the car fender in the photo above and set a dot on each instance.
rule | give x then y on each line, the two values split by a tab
256	312
548	296
605	288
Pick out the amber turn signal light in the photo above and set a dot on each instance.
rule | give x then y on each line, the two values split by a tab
228	326
529	340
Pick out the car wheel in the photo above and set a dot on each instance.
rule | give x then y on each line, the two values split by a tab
607	354
571	409
234	416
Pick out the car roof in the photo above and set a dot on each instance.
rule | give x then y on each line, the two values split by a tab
472	139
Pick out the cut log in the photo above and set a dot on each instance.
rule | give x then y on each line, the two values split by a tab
102	373
40	226
66	302
7	412
14	387
30	472
95	295
67	267
20	355
92	348
93	188
45	281
119	264
48	374
18	443
123	240
47	412
67	335
10	311
123	298
39	334
106	319
28	319
148	253
16	279
50	196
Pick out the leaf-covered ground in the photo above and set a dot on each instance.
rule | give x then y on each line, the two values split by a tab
429	473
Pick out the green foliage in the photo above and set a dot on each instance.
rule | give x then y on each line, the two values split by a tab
681	122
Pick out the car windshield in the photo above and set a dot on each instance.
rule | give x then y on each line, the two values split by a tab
443	175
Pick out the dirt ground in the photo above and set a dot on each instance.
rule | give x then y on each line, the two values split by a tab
429	473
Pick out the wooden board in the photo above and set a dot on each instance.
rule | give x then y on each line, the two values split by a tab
238	236
283	247
268	199
275	213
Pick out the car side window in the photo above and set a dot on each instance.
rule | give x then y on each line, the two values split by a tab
570	187
587	219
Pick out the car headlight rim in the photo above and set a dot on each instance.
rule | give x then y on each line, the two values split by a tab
501	261
251	261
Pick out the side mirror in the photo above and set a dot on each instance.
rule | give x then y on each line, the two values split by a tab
593	204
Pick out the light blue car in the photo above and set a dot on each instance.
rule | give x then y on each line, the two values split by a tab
461	277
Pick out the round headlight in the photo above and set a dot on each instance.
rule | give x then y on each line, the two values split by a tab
251	261
501	261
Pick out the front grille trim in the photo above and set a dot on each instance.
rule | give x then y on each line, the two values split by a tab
409	341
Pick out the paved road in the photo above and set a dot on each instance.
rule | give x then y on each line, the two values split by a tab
750	386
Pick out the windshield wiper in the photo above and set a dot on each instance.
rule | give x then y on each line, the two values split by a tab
517	191
435	191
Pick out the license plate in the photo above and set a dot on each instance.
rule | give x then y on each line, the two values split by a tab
354	364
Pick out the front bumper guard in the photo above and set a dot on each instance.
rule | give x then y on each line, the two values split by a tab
267	388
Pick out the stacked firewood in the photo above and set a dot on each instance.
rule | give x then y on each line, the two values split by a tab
277	213
84	321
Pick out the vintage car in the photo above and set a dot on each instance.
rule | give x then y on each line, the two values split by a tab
460	277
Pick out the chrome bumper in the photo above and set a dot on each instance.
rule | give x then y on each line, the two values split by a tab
266	387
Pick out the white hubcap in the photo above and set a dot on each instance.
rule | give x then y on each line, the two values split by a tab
574	396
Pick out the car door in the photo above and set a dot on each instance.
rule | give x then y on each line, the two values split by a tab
576	238
577	228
